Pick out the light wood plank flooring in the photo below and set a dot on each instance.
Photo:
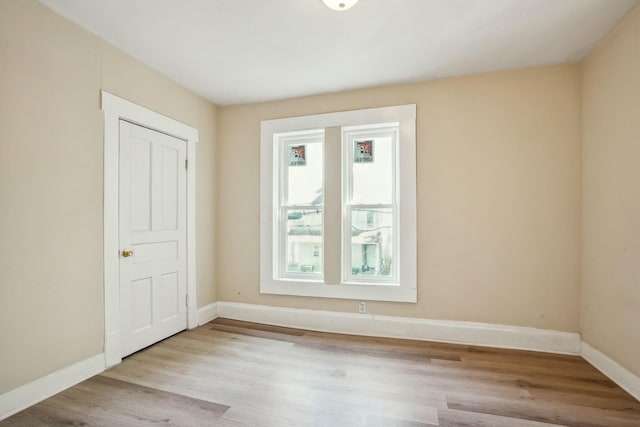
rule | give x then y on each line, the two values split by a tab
231	373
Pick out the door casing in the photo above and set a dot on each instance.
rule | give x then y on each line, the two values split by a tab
115	109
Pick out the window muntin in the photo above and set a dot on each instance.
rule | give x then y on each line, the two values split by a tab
370	204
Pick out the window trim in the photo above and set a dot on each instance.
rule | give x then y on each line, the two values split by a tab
406	289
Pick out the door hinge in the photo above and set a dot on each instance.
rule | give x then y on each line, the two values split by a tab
186	163
186	300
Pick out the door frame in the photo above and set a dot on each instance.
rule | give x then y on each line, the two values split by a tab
115	109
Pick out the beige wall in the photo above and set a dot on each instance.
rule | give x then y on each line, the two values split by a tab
610	313
51	289
498	197
499	192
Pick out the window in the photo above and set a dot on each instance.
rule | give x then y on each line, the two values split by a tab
300	225
370	204
338	213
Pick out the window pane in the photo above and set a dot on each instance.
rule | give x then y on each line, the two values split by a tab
373	170
304	173
372	242
304	241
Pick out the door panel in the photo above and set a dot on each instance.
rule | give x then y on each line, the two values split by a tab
140	161
155	252
141	308
170	159
152	221
170	289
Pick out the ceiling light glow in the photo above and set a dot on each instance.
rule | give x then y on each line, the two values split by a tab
340	5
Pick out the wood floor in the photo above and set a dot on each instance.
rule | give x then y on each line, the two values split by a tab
230	373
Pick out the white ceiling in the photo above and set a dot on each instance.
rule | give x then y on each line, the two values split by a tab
240	51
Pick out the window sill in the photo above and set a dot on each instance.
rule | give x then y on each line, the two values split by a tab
366	283
355	291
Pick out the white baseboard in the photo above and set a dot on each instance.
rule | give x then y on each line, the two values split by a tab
29	394
456	332
470	333
207	313
612	369
112	354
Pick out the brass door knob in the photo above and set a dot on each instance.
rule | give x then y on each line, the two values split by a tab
127	253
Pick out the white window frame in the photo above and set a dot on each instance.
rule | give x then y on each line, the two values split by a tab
280	143
405	289
349	135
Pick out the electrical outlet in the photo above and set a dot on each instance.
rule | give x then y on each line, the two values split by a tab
362	307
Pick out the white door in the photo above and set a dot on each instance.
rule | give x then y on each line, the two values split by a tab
153	243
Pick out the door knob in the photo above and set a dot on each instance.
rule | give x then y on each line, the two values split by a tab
127	253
